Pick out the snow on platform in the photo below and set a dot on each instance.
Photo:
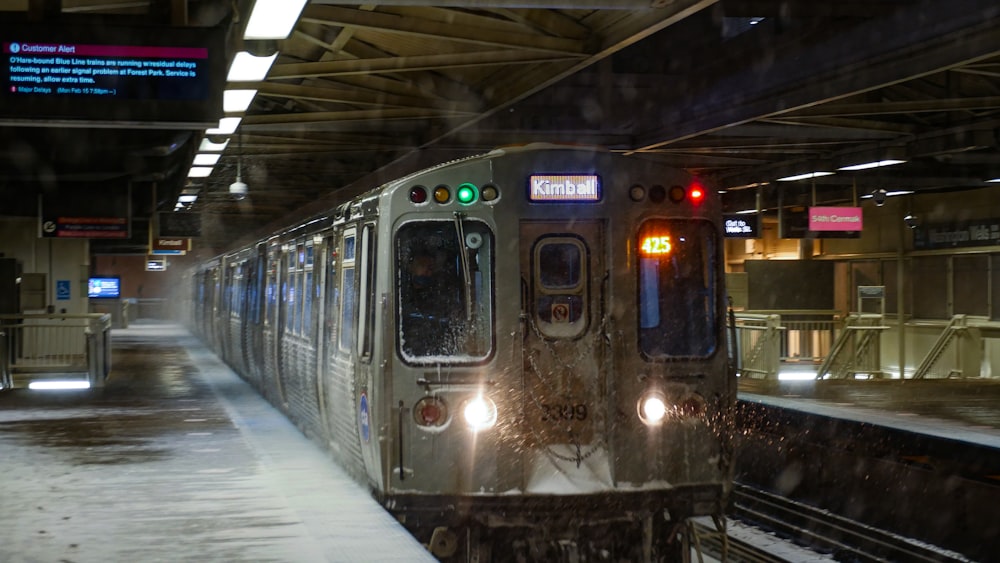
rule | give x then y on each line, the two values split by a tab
176	459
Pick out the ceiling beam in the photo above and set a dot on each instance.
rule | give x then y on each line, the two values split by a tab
907	45
329	15
411	64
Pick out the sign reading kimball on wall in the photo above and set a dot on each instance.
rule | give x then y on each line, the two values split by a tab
158	245
834	219
562	188
982	232
742	226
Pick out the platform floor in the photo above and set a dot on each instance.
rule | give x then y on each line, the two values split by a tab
176	459
961	409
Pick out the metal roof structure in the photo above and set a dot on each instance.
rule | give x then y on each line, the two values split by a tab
741	92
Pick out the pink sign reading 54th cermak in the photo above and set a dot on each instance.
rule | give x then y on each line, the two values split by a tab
834	218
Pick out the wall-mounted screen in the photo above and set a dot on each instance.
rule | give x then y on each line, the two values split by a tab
104	287
107	74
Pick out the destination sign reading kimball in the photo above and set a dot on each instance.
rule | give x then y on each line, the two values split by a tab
834	218
564	187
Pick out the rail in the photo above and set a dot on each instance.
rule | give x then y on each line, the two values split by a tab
857	349
38	346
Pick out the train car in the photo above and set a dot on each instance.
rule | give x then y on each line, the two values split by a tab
522	353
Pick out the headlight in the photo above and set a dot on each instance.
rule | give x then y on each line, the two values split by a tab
480	413
652	408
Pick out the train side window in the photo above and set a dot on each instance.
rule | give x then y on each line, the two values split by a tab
332	291
676	286
444	292
348	295
271	288
560	266
366	302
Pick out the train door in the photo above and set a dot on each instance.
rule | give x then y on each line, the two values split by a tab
563	280
369	398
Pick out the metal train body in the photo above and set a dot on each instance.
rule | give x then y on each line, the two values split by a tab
562	375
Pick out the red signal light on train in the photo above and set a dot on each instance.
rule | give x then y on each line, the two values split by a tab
696	193
418	194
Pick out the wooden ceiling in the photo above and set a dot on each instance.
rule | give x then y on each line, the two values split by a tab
740	92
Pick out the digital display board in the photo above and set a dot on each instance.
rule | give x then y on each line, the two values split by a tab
564	188
106	74
739	225
105	287
86	210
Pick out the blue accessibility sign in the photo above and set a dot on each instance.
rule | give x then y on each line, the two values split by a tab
62	290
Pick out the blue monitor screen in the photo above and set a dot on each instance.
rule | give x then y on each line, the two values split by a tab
104	288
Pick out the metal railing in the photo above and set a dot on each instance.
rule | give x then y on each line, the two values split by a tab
758	338
857	350
39	345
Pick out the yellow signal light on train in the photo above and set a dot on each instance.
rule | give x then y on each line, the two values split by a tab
467	193
442	194
656	245
676	194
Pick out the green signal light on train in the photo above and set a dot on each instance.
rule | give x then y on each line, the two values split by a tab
467	193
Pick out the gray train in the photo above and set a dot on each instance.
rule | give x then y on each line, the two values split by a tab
522	354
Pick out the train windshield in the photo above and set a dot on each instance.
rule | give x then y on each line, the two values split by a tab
677	278
445	287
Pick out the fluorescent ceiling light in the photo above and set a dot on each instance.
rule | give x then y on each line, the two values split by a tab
237	101
804	176
49	385
889	194
248	68
273	19
227	126
994	180
200	172
209	146
187	198
206	159
876	164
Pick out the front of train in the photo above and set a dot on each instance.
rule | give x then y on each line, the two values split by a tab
559	383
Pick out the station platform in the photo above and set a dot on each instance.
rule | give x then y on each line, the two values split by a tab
176	459
966	409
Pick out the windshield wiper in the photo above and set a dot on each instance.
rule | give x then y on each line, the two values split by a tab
466	271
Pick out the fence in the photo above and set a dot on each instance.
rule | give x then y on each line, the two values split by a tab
39	345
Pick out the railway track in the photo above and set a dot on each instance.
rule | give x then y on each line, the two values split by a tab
839	538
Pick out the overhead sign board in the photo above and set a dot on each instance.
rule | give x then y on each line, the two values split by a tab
741	225
179	224
108	74
86	210
976	232
794	223
834	219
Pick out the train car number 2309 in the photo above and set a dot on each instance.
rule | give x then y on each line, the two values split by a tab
563	412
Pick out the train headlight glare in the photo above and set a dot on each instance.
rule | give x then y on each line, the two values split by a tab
467	193
652	409
480	413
